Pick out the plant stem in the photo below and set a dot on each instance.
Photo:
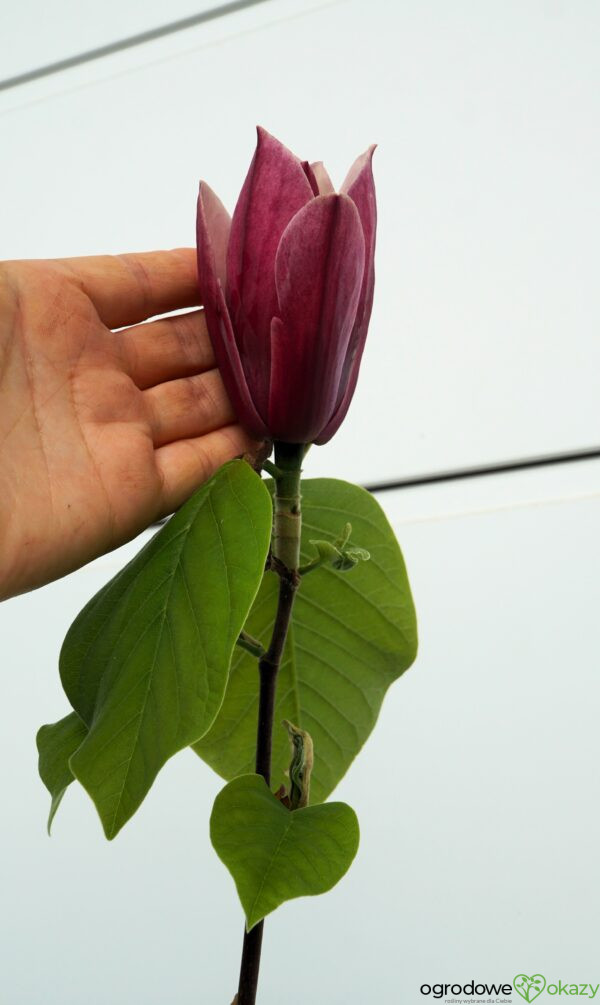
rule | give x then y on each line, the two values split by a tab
287	516
285	560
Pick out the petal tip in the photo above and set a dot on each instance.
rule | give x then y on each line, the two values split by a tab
263	136
321	177
363	164
269	144
206	195
368	155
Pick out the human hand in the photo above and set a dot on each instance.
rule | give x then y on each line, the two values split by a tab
101	432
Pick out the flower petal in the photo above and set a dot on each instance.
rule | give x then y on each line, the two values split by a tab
324	182
216	224
276	187
319	269
347	389
212	230
308	171
320	182
360	186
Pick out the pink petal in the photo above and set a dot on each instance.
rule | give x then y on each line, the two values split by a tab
319	269
324	182
308	171
216	225
276	187
360	186
212	230
320	182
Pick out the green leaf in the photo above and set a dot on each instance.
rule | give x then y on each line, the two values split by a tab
145	663
275	854
352	635
56	743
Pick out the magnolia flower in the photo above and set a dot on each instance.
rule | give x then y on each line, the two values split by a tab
287	287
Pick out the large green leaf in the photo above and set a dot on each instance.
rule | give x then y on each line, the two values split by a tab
56	744
145	663
275	854
352	634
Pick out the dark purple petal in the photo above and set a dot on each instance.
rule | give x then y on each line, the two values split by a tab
347	389
319	269
212	231
276	187
360	186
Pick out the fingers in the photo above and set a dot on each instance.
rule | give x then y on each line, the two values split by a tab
166	349
187	408
185	465
129	288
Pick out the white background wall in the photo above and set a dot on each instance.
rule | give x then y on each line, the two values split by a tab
477	793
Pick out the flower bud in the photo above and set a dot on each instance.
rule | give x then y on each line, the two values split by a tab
287	287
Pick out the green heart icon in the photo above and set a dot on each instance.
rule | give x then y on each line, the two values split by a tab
529	987
275	854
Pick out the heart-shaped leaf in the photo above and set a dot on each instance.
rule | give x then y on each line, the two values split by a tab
145	663
352	634
56	744
275	854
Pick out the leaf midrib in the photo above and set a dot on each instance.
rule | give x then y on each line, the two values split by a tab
287	827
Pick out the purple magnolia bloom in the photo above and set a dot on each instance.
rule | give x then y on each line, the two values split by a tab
287	286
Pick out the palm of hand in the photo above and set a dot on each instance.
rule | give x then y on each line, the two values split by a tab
101	432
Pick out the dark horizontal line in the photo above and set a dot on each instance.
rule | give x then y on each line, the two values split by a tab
128	43
502	467
498	468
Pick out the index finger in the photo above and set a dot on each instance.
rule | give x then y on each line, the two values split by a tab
126	289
